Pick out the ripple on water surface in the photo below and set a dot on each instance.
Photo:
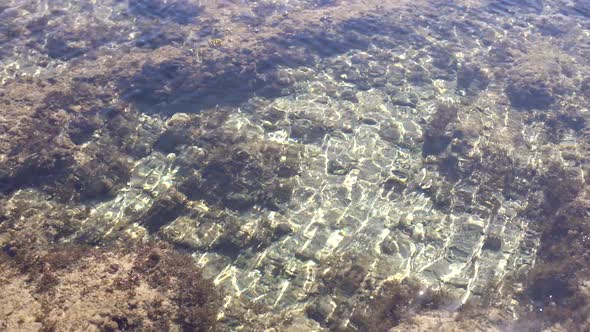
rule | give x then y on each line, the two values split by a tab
326	165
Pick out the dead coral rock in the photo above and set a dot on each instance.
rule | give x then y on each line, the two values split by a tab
223	231
81	129
586	87
539	78
181	11
493	243
195	297
525	92
472	78
492	320
56	149
168	291
561	185
437	135
189	130
395	302
61	39
581	8
350	300
19	310
553	286
156	35
100	175
236	236
390	132
340	166
308	130
29	214
240	175
37	151
349	279
167	207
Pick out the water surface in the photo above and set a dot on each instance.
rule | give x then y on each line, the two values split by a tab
330	165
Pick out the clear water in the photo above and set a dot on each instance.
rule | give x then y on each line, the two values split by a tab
306	153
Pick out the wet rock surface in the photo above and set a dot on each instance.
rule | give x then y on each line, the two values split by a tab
145	287
350	166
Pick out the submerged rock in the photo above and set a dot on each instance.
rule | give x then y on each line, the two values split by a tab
539	78
405	99
167	207
472	78
437	134
390	132
309	156
134	287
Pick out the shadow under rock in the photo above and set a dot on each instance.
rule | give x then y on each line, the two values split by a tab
175	86
235	76
511	7
66	42
178	11
351	34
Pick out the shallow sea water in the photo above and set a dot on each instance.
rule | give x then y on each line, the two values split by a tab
329	165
